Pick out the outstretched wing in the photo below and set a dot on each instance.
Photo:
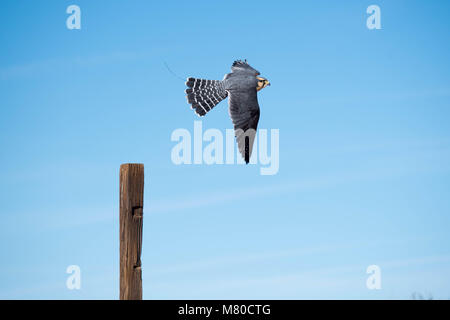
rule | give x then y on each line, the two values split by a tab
240	66
244	112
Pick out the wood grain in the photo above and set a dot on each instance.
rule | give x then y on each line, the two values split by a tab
131	216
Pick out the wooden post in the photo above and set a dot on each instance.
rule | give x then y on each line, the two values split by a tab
131	214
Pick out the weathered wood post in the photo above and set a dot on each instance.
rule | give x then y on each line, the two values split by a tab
131	214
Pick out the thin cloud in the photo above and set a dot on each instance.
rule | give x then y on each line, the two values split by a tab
401	167
242	259
43	66
307	284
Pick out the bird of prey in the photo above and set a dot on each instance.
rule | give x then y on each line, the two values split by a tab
241	86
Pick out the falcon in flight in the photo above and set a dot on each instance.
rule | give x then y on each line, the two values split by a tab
241	86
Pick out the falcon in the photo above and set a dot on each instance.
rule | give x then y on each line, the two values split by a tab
241	86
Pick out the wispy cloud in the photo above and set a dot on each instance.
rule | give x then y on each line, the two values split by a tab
328	282
230	260
392	96
42	66
398	167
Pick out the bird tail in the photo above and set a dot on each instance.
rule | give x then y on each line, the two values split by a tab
203	95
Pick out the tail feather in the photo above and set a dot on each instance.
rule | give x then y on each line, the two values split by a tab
203	95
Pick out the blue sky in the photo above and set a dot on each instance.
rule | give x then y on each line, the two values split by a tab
364	149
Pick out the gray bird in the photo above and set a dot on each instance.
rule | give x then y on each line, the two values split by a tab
241	85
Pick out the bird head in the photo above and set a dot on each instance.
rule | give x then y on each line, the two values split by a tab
262	83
